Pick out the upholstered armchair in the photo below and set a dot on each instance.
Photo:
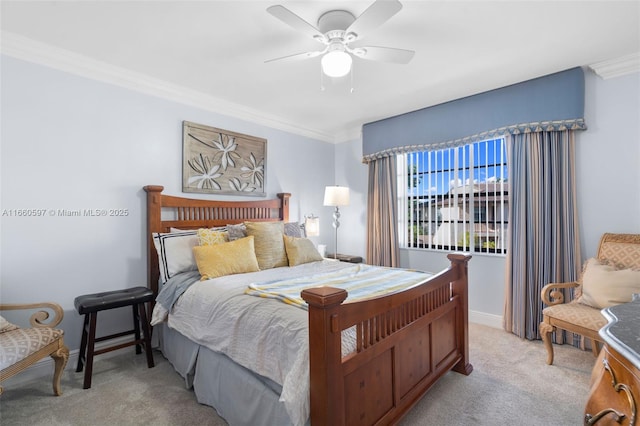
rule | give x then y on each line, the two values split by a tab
23	347
608	279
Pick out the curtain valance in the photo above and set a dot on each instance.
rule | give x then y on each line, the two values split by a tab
552	102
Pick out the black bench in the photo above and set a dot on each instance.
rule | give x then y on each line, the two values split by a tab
90	304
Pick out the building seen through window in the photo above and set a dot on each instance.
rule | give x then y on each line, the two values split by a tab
455	199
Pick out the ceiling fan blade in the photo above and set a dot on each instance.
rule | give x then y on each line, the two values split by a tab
375	15
297	56
384	54
296	22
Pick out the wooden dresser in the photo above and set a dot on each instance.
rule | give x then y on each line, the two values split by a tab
614	398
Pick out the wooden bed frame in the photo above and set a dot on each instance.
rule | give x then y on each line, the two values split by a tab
405	341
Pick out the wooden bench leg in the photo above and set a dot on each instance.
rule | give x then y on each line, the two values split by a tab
83	344
136	327
146	329
88	370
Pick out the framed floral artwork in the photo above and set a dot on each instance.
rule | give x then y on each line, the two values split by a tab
216	161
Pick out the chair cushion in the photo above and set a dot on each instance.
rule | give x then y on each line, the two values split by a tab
578	314
18	344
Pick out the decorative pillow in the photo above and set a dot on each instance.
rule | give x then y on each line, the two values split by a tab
6	325
236	231
603	285
300	250
209	237
293	229
235	257
175	252
269	243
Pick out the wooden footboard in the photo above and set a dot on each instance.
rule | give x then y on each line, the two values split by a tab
404	343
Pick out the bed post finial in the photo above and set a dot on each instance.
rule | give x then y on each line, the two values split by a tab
284	206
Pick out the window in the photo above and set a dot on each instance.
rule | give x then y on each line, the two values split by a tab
454	199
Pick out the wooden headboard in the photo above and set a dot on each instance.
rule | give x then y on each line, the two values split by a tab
166	211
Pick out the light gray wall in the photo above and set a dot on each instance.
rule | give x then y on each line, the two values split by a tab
70	142
351	172
608	189
608	158
73	143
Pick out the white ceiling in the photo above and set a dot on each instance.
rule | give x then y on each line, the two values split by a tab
214	52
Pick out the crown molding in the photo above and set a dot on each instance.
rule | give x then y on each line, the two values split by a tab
348	134
617	67
29	50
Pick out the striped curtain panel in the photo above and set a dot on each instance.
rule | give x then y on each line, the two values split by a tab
382	213
544	244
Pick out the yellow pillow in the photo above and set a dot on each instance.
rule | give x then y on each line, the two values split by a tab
209	237
269	244
300	250
604	285
235	257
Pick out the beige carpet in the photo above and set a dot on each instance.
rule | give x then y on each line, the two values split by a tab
510	385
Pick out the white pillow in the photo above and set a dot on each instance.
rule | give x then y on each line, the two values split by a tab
6	325
175	252
604	285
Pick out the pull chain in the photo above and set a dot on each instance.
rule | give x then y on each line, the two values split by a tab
351	77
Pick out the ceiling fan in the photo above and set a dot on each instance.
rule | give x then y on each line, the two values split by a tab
336	29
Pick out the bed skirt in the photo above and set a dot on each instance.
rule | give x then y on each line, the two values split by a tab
238	395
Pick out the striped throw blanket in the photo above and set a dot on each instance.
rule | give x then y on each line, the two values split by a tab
360	281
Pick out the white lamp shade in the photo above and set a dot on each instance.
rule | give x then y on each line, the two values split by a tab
312	226
336	63
336	196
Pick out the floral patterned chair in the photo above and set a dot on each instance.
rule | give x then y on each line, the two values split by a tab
23	347
610	278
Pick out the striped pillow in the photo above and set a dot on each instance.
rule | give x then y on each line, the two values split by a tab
293	229
175	251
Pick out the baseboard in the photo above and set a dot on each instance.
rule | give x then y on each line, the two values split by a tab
45	366
482	318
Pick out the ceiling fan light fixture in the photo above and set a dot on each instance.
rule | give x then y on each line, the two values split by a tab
336	63
336	29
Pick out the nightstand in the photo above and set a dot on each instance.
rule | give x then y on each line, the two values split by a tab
345	258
